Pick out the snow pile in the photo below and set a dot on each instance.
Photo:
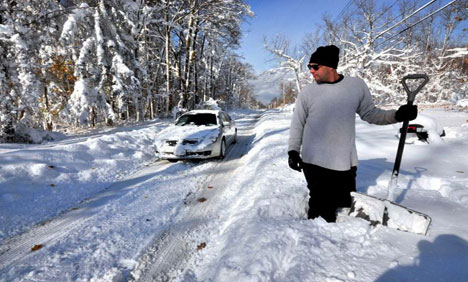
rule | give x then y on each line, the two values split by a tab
210	104
24	134
462	103
40	181
431	126
264	236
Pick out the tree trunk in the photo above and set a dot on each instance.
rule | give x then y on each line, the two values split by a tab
93	116
189	51
212	82
298	85
168	62
449	27
196	70
47	120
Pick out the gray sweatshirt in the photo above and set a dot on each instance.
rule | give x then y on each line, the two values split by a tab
323	123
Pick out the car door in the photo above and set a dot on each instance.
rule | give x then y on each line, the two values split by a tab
232	128
227	122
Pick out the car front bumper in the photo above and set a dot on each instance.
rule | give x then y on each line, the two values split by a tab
187	155
168	152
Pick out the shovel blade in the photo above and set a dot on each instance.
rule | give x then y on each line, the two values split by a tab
389	214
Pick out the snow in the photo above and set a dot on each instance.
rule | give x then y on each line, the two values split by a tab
18	41
462	103
119	199
120	67
431	126
457	52
40	181
386	212
406	220
211	104
6	30
80	100
203	135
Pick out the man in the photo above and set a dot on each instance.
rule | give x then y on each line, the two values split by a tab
323	130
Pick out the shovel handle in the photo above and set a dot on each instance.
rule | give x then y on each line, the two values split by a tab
404	128
412	94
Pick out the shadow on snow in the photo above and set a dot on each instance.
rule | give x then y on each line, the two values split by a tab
444	259
370	170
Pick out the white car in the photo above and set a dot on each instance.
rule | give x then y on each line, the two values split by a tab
198	134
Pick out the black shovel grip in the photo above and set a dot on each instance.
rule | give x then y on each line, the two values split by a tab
404	128
412	94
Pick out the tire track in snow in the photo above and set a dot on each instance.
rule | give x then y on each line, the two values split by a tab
169	253
18	247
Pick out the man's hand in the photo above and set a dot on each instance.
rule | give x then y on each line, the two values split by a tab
406	112
295	161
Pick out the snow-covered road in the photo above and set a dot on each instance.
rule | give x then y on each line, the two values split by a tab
159	207
168	255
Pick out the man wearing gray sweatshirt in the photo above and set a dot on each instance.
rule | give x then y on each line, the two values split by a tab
323	132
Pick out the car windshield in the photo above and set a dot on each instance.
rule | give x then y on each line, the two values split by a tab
197	119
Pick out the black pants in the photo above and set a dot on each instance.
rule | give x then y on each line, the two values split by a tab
328	190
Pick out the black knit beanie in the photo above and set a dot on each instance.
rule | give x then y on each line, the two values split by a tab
326	56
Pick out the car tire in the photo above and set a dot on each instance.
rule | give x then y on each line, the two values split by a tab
234	141
173	160
222	149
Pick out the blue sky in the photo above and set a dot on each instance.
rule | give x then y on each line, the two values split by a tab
291	18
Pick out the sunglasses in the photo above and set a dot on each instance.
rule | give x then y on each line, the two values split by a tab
315	67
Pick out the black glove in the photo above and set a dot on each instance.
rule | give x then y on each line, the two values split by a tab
295	161
406	112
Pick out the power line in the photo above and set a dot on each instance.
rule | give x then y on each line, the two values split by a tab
403	20
343	11
345	8
404	12
388	9
411	26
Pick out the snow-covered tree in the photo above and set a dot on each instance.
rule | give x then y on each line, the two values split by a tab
383	41
291	60
382	46
88	62
24	27
105	61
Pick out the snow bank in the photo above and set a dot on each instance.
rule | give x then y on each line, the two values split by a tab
24	134
40	181
264	235
433	128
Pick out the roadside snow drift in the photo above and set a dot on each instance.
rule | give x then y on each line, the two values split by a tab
265	237
40	181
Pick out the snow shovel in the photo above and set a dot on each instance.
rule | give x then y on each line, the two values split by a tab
385	211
